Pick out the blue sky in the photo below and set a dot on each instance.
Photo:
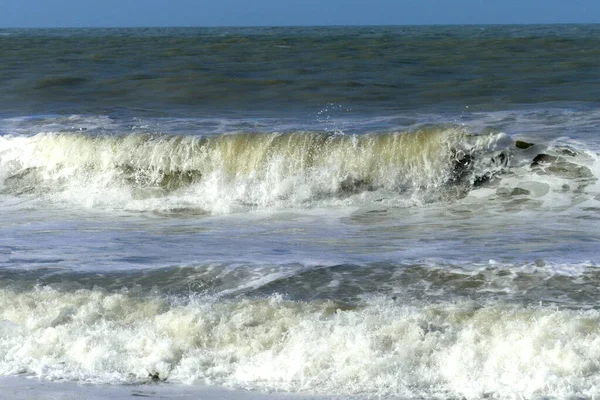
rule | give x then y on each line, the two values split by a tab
107	13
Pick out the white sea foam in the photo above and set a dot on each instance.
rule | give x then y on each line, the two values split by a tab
381	348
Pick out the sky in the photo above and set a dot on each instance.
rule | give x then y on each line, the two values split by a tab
128	13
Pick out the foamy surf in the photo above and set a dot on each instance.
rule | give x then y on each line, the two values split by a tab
380	347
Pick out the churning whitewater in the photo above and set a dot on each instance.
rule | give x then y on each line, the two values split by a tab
380	348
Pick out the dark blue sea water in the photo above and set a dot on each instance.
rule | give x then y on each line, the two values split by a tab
365	212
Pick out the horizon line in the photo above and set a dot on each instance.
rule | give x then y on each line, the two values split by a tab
291	25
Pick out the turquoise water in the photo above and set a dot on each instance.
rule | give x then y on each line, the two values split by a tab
391	212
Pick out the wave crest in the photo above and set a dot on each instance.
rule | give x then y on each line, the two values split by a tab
250	169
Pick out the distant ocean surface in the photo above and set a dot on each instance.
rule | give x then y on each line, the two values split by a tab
325	212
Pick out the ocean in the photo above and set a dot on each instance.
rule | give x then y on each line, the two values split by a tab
399	212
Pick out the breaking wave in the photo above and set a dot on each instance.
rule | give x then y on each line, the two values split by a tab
233	172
